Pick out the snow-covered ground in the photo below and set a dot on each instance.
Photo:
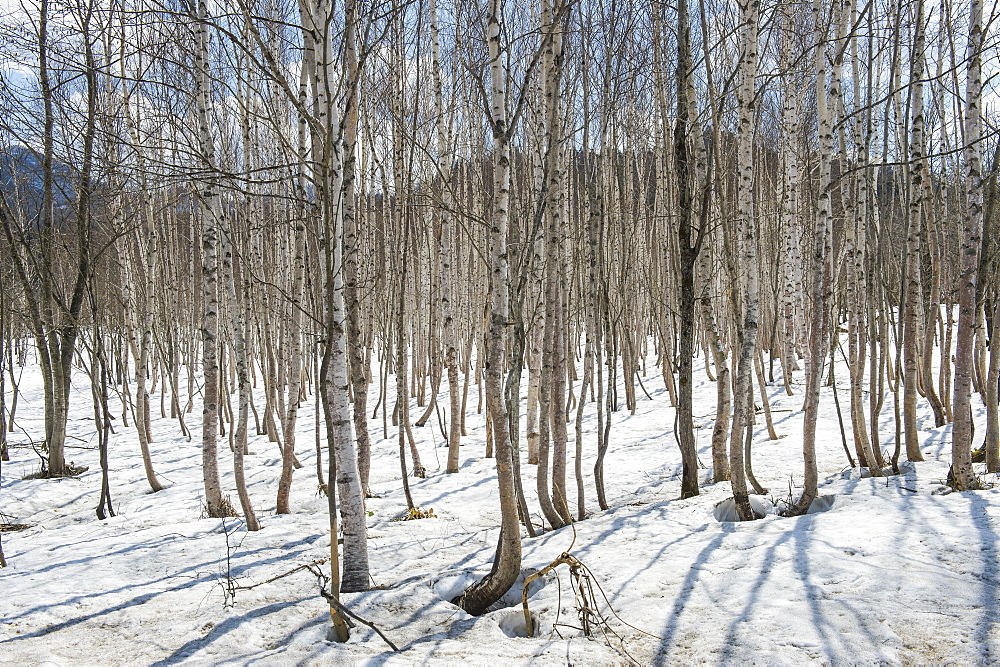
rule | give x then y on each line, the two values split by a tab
895	571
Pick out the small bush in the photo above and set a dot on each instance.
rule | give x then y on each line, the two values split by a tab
226	509
416	513
14	527
71	471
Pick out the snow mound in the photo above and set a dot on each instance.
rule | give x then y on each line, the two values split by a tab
725	511
453	585
821	504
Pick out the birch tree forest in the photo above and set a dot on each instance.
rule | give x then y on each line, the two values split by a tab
409	212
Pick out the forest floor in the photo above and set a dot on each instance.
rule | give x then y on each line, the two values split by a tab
897	570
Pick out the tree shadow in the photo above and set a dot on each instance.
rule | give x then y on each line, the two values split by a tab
939	440
229	625
73	622
587	547
427	484
986	629
834	643
196	572
762	577
687	587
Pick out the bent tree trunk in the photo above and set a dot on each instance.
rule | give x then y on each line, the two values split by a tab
507	560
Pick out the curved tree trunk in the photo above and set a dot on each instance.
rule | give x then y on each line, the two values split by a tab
507	561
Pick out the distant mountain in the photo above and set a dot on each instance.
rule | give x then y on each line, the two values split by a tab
21	179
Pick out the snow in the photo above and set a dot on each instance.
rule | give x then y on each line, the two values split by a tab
894	570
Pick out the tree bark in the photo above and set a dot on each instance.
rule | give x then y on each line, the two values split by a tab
747	105
822	274
507	560
212	212
963	477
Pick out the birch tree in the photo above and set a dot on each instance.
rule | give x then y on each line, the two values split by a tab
821	268
211	213
507	560
914	237
743	391
963	478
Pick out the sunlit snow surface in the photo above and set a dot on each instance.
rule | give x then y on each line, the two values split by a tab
894	571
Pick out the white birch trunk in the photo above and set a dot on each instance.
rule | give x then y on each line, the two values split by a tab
211	207
821	266
963	477
507	561
912	297
743	393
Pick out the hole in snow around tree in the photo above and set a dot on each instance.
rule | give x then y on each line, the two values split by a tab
905	469
819	504
725	511
511	622
450	586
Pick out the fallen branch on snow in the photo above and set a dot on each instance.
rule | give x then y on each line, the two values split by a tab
275	578
348	614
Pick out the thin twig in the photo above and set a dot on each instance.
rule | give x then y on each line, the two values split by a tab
612	609
292	571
